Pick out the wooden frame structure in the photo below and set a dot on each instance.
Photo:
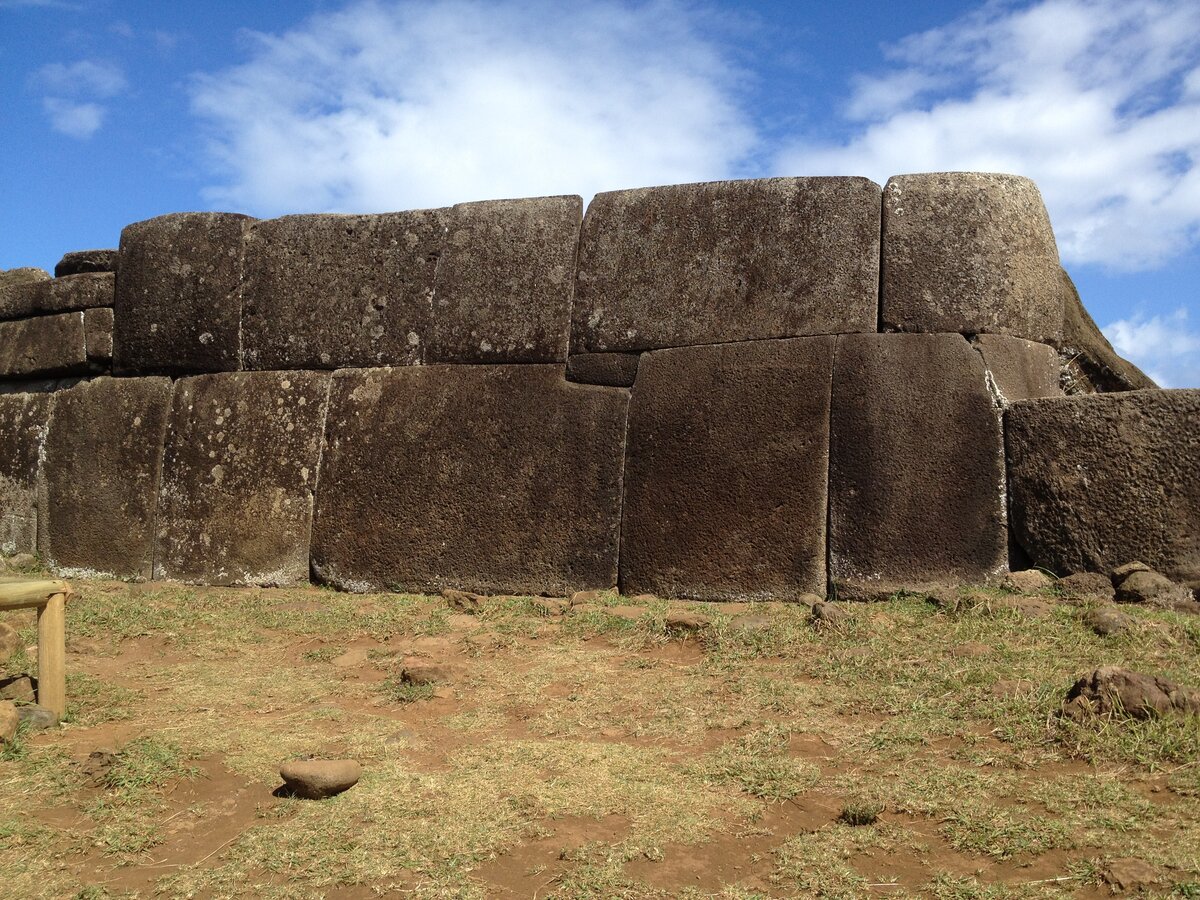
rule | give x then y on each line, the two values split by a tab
49	598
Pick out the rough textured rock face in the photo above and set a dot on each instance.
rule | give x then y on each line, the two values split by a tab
329	291
43	346
81	261
496	479
1020	369
97	336
238	475
916	465
23	421
178	303
1112	690
38	297
1099	480
969	252
725	483
727	261
611	369
1090	363
16	293
100	476
505	282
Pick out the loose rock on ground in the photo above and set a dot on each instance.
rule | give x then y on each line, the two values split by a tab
316	779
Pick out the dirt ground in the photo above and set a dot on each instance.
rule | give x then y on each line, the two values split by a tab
598	752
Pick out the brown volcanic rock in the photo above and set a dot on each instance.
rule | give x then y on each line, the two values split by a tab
727	261
80	262
329	291
316	779
23	422
1100	479
970	252
178	307
505	281
38	296
238	475
43	346
725	482
611	369
19	290
494	479
1111	689
100	475
1090	363
1020	369
97	336
916	465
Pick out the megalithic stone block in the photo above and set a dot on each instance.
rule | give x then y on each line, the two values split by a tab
612	369
726	474
969	252
82	261
1100	480
727	261
99	481
916	466
1090	363
239	471
23	422
43	346
36	296
500	479
1020	369
97	336
178	297
505	282
330	291
18	291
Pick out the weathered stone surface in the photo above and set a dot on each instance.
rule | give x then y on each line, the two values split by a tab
916	465
10	721
1111	690
57	295
611	369
238	474
505	282
98	336
1080	586
178	303
1101	479
1027	581
42	346
1107	621
10	643
725	493
1090	364
18	290
100	476
23	422
496	479
727	261
80	261
316	779
1154	589
969	252
329	291
1020	369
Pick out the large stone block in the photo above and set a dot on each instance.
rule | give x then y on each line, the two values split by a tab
97	336
18	290
611	369
916	465
80	261
178	301
726	474
1100	480
43	346
1019	369
239	470
1090	363
727	261
969	252
23	422
499	479
37	297
330	291
505	282
100	476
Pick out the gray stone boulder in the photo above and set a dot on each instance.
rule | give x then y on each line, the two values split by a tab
82	261
24	419
238	475
178	302
316	779
1100	479
916	467
726	473
969	252
1154	590
727	261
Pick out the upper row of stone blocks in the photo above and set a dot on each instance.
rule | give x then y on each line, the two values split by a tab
525	281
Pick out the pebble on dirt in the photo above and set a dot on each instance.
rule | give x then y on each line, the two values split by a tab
316	779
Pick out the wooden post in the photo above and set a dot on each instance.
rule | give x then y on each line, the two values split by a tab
52	654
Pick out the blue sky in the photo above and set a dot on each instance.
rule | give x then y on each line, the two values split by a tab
114	111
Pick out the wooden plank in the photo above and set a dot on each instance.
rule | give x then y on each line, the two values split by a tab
25	593
52	654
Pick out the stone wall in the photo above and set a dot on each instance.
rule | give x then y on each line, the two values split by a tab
731	390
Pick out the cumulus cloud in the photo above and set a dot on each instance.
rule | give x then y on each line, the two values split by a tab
71	94
403	105
77	120
1097	100
1166	347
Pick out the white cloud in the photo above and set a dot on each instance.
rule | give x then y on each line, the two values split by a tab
77	120
403	105
1096	100
1164	346
70	94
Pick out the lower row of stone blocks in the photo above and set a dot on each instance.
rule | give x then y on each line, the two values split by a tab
758	469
